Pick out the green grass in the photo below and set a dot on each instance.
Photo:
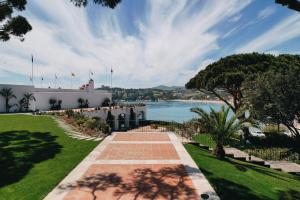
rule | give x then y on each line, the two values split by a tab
238	180
35	155
204	139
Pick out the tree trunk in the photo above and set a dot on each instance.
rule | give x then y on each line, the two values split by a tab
6	105
219	151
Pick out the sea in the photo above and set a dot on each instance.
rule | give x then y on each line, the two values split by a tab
176	110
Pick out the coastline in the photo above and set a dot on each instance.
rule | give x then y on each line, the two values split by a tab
199	101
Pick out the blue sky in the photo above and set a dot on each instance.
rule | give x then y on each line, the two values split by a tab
147	43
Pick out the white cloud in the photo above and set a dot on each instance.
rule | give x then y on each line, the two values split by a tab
285	30
268	11
170	41
235	18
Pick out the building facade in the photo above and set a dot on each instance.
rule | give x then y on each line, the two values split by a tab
68	97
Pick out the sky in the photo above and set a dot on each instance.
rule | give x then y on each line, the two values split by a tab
146	42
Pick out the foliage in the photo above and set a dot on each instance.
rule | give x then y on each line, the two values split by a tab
86	103
80	101
25	101
97	124
7	94
275	97
153	126
55	104
13	26
132	118
106	102
110	119
273	128
69	113
220	126
229	74
237	180
291	4
18	26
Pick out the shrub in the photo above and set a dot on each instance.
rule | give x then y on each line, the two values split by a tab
80	121
104	128
69	113
92	124
106	102
153	126
272	128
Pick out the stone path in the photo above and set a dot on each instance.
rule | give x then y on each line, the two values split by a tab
72	133
138	166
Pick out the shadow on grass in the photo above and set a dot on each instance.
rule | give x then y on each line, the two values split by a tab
146	183
228	190
20	150
291	194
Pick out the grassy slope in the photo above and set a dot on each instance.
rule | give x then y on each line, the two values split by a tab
35	155
234	179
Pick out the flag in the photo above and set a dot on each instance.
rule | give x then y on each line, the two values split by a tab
111	71
31	58
42	78
72	74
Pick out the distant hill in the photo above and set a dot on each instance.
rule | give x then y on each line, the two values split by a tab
168	88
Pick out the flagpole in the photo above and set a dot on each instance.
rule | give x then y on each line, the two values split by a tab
32	69
111	74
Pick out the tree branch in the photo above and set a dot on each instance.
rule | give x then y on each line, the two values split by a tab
224	100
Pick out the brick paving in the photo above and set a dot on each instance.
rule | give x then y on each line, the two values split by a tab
135	166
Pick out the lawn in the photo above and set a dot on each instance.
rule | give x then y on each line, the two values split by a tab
233	179
205	139
35	155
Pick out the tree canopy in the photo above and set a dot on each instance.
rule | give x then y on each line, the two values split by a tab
275	95
229	74
18	25
291	4
12	26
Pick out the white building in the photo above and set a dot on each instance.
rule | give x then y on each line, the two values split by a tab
68	97
69	100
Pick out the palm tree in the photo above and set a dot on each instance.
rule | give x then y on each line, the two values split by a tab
25	101
220	125
8	94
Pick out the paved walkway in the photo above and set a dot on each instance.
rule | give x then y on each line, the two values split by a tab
135	166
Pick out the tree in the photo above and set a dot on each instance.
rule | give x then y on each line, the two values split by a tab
80	101
291	4
275	97
13	26
52	102
220	125
86	103
18	26
106	102
132	118
228	74
7	94
25	101
110	120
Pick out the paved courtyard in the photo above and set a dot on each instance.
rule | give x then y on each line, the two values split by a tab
135	166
